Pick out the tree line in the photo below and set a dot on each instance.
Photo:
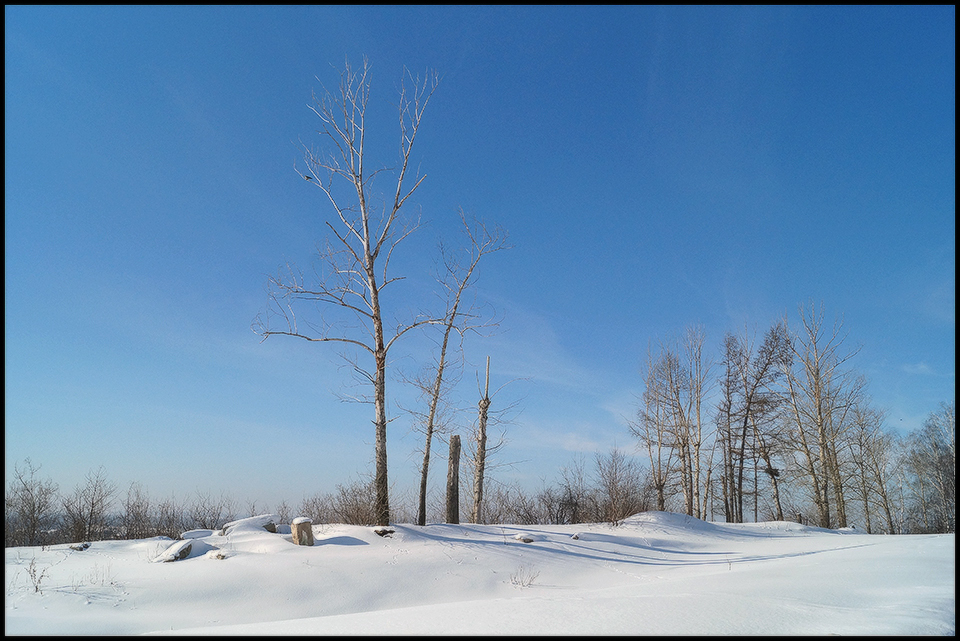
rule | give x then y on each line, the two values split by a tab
894	484
37	513
782	427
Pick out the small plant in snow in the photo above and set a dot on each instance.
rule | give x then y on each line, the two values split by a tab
100	576
36	576
523	577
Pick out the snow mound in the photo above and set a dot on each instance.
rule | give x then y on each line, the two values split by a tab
261	522
185	549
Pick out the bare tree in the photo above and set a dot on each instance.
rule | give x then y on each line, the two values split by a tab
283	511
86	510
652	427
137	518
697	387
481	451
820	394
458	273
748	406
356	259
31	506
620	486
932	460
579	501
676	384
872	451
318	508
170	518
209	513
356	503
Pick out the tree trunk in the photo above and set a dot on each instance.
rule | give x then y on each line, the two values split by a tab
484	407
453	481
434	400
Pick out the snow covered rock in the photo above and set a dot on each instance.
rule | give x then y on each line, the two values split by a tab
266	522
185	549
177	551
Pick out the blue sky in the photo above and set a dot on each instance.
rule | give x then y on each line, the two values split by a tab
655	168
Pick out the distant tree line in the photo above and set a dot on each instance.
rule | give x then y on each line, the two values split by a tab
37	513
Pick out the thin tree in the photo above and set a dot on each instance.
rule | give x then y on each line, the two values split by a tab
459	272
481	451
356	259
652	427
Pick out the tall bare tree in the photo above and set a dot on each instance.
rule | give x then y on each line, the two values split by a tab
821	393
749	405
363	236
652	427
872	451
671	424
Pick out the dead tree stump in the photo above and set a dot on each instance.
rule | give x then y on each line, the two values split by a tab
302	530
453	481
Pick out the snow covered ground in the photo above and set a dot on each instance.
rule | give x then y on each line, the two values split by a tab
657	573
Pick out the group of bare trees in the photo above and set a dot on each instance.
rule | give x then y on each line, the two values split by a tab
929	473
671	421
792	434
37	513
617	487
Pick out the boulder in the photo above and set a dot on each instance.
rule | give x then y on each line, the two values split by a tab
266	522
302	531
177	551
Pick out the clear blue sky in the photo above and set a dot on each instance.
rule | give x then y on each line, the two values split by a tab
655	167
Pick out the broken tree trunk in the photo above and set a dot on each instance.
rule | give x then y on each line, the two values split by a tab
484	406
453	481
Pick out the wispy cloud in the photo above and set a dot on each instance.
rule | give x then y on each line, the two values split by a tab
529	347
920	368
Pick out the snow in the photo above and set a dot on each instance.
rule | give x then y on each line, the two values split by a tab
657	573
